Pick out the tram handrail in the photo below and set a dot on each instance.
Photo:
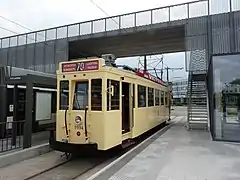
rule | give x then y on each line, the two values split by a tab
85	122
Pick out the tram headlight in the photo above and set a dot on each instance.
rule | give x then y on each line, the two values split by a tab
78	119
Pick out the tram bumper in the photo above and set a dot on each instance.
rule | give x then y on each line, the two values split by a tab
70	147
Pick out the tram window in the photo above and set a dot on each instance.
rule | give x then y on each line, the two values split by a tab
113	102
80	96
64	95
156	97
162	98
96	94
166	98
150	96
141	96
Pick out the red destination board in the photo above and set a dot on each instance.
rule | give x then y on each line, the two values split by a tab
150	77
80	66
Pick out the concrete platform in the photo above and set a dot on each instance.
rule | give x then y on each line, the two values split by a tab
30	167
16	154
179	154
19	155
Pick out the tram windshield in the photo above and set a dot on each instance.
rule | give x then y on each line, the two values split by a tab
80	96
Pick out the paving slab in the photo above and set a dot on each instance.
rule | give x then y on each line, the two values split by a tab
180	154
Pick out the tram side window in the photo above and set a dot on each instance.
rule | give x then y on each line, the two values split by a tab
64	95
141	96
162	98
80	96
150	96
113	102
96	94
166	98
156	97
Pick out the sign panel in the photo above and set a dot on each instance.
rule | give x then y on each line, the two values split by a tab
150	77
80	66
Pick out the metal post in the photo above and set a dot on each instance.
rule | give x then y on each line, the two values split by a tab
105	24
209	35
169	14
27	141
232	29
44	53
151	16
135	19
119	22
92	31
167	74
34	53
3	111
15	103
145	64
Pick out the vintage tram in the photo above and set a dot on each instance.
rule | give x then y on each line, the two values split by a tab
100	105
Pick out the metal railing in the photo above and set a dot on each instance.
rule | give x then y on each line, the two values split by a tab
11	135
141	18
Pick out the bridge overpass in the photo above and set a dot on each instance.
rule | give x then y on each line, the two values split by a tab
194	27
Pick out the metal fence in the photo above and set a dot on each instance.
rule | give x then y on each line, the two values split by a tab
11	135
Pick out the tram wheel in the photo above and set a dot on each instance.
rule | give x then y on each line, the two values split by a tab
68	155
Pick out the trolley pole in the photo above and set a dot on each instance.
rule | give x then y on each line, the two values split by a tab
167	68
161	73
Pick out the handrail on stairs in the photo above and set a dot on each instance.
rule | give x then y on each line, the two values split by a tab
189	94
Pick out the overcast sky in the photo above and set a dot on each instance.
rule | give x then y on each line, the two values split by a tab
37	15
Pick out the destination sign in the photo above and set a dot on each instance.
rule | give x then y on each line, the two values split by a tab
80	66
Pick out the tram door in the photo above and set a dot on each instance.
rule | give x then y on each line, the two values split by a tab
125	107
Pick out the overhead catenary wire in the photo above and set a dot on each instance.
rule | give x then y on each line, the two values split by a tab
94	3
29	29
14	22
5	29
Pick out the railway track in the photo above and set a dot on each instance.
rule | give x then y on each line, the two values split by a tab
68	170
74	168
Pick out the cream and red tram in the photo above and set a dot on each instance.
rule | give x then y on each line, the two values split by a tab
101	106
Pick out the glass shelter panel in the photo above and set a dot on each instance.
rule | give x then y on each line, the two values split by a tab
226	93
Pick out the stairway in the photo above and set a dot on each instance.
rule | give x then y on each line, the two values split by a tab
197	102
